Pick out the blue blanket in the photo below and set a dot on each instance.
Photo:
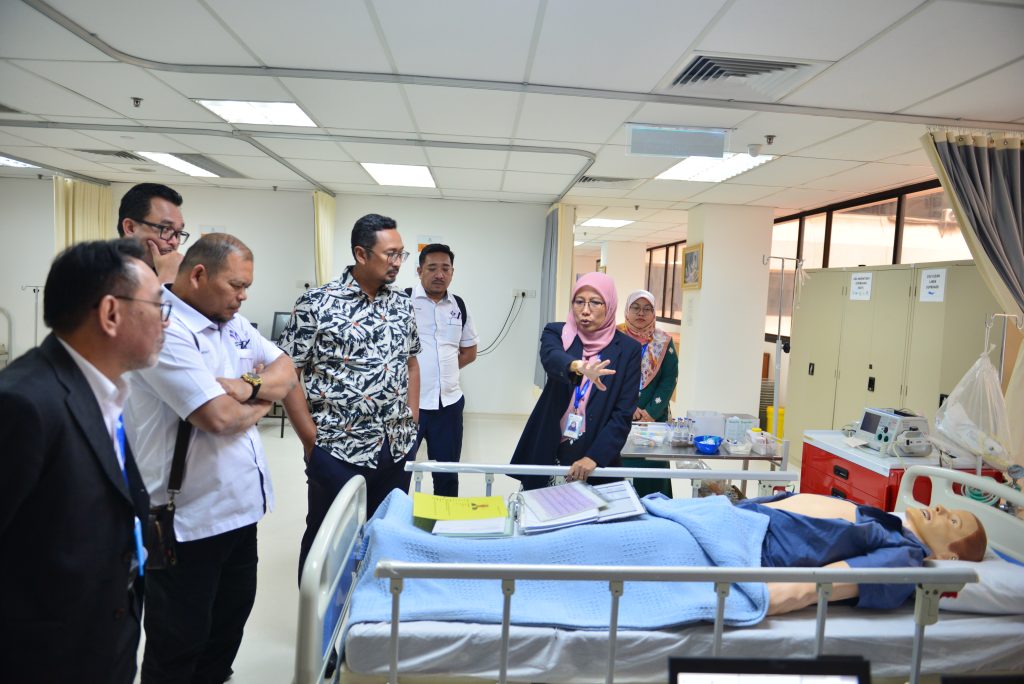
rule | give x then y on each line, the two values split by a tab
677	532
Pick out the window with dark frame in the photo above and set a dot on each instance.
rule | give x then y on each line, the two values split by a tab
664	280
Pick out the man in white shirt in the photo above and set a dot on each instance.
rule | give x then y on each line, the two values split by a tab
449	343
72	503
218	373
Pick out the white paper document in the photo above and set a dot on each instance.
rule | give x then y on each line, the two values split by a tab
484	527
621	502
560	501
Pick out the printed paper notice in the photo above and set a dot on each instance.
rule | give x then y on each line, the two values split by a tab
933	284
435	507
860	286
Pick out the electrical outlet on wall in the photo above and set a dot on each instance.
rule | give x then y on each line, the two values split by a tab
524	293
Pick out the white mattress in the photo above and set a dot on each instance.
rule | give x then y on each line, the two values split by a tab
958	643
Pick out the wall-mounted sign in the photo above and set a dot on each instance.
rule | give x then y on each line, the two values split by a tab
933	285
860	286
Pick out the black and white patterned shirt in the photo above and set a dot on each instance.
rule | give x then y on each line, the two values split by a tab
354	355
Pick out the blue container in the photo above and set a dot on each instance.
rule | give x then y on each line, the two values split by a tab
707	444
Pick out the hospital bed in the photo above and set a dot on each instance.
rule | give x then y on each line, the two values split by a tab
894	642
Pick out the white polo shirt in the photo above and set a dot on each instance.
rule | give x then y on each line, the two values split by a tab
442	331
227	484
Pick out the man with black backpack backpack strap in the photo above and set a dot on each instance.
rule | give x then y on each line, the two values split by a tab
449	343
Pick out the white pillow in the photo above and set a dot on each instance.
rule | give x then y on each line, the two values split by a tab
998	591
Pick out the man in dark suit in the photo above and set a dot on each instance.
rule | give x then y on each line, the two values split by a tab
71	499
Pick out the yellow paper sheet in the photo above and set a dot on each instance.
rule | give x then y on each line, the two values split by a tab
457	508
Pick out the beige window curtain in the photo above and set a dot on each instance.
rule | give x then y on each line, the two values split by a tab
981	174
323	236
82	211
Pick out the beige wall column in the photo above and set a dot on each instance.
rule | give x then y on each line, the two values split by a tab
722	330
624	262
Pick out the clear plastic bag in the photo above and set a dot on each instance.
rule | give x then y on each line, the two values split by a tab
973	418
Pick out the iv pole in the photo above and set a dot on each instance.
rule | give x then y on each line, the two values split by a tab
766	260
36	289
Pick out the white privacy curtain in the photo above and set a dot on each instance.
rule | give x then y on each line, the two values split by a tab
323	236
981	174
82	211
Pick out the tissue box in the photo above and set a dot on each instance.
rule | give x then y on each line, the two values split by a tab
707	423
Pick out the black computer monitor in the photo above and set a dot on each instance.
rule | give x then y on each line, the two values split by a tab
281	319
827	670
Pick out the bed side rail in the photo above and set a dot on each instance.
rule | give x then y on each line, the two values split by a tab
326	584
931	584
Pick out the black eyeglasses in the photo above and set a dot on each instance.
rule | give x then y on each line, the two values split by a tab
166	232
165	307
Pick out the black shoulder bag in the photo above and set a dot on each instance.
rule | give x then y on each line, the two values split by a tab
160	539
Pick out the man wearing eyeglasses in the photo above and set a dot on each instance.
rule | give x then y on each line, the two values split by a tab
150	213
217	373
354	343
72	502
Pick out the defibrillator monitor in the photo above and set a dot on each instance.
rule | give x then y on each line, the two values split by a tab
880	428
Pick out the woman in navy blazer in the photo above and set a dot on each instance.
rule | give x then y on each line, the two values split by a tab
584	414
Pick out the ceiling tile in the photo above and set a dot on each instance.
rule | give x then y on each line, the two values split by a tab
302	149
869	143
614	162
571	119
385	154
134	142
28	34
518	197
869	178
216	144
466	179
733	193
114	86
332	171
56	137
813	29
626	213
149	28
352	104
535	183
604	44
57	158
463	111
870	79
257	168
918	157
670	216
465	158
545	163
328	35
791	171
33	94
980	98
225	87
801	198
668	190
459	38
645	204
792	131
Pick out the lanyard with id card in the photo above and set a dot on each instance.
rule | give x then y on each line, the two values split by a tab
574	421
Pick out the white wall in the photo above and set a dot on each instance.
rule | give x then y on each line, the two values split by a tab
276	226
26	250
498	247
583	263
625	263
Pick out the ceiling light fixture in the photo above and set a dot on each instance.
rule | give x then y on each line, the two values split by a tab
7	161
577	243
605	223
713	169
177	164
405	175
267	113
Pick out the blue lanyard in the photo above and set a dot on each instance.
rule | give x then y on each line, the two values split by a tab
140	554
581	391
642	352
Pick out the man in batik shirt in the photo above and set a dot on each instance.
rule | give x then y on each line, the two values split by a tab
354	344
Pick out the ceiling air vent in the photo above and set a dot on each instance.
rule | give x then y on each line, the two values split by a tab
608	183
110	155
742	77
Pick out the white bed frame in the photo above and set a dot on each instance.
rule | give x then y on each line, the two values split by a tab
327	577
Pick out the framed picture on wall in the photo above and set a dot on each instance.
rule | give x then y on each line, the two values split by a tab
693	266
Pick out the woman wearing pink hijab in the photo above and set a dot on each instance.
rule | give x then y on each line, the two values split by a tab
583	416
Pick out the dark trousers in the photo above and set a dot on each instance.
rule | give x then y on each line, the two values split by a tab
442	429
326	475
196	609
567	454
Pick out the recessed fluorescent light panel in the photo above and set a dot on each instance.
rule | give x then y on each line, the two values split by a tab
177	164
604	223
713	169
5	161
577	243
675	141
267	113
405	175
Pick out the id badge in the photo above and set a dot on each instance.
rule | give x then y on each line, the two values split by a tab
573	426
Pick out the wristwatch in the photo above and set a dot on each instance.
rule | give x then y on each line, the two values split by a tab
254	380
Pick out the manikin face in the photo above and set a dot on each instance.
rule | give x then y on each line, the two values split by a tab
161	213
436	274
939	527
589	309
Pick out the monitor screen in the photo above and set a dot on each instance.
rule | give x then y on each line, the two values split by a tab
281	319
838	670
869	423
